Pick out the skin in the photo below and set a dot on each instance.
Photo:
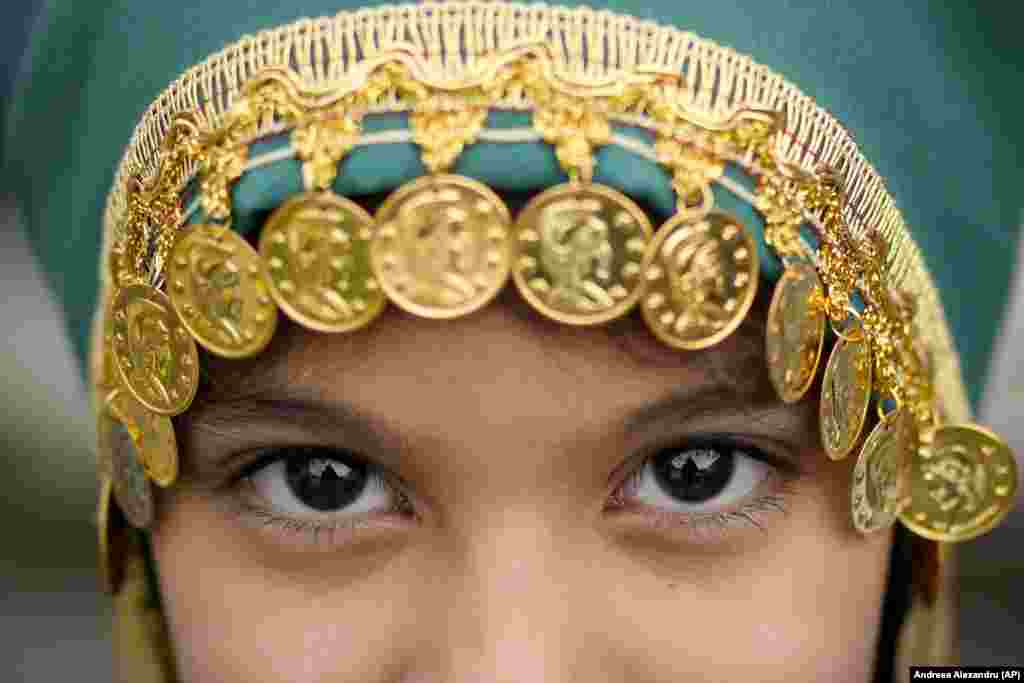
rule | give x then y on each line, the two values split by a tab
510	434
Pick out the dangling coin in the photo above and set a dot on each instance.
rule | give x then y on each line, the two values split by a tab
155	354
796	330
442	246
152	436
316	247
963	481
845	396
578	253
879	475
218	286
701	280
132	489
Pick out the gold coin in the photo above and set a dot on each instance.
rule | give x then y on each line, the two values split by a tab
962	483
878	476
701	280
442	246
132	490
845	396
578	253
316	247
155	355
218	286
795	332
152	437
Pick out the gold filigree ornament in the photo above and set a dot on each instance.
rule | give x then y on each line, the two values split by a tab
154	352
317	244
219	287
963	482
795	332
442	246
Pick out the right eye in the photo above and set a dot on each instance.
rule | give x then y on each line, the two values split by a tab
322	483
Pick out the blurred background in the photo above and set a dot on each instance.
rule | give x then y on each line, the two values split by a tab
54	621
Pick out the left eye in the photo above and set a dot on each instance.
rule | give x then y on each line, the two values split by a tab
697	478
315	481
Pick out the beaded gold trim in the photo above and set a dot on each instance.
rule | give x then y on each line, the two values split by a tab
443	246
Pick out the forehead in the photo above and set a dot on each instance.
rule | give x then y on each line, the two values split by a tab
505	352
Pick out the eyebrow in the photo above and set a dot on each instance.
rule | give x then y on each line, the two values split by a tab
291	415
234	405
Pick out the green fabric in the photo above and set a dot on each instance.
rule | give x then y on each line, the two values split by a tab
920	86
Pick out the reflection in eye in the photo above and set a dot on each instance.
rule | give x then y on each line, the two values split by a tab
710	481
319	482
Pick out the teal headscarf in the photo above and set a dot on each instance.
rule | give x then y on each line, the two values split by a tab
919	85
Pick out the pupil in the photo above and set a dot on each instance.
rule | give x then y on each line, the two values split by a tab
694	475
325	483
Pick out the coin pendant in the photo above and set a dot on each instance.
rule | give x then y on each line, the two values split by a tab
155	355
795	332
880	473
442	248
132	489
578	253
152	436
316	247
962	483
701	280
845	396
218	286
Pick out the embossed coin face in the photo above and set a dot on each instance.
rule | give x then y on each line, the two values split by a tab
152	437
131	487
845	395
155	355
701	280
796	330
578	253
962	482
219	288
877	482
442	246
316	247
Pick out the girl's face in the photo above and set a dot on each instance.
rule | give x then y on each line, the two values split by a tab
502	498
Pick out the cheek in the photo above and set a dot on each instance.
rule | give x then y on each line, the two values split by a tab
232	618
806	606
811	618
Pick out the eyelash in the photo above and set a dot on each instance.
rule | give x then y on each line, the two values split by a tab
326	531
329	530
713	525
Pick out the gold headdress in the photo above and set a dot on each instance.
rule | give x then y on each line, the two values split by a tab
581	253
